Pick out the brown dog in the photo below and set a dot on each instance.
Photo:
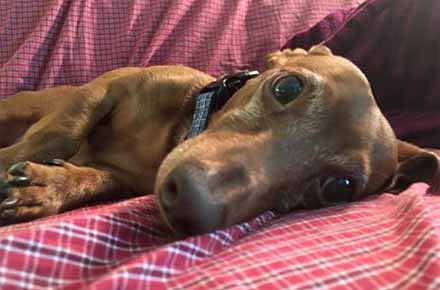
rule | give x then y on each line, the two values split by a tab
305	133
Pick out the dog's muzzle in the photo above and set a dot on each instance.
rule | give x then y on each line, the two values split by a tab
185	195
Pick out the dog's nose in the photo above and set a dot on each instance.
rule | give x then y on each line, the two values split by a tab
186	201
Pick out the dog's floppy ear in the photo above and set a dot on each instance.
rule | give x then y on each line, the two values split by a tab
320	50
279	58
415	165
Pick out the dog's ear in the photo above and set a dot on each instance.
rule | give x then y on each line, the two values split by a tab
415	165
279	58
320	50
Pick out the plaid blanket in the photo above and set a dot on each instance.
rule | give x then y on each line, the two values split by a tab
384	242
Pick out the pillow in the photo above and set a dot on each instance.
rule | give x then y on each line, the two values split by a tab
396	44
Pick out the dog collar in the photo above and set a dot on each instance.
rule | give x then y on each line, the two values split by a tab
214	96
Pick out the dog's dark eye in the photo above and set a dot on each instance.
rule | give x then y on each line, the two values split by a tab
338	189
287	89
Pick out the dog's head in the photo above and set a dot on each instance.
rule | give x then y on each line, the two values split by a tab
306	133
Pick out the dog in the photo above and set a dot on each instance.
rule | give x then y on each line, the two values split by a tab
305	133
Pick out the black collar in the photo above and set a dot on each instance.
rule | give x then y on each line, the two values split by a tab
214	96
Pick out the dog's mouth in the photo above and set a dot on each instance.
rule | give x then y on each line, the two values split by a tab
198	194
196	198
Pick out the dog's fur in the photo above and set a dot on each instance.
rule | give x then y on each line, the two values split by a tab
121	135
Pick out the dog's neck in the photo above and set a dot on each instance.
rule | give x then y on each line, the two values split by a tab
180	131
198	109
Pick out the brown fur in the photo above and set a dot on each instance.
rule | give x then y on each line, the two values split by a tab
121	135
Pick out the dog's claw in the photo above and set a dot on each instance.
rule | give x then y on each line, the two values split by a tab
18	173
20	181
18	169
8	213
4	188
54	162
8	203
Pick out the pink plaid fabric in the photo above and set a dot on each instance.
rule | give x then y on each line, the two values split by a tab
385	242
48	43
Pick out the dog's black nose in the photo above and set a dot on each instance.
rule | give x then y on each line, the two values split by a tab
187	202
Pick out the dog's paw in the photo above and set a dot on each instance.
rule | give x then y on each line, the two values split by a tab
31	190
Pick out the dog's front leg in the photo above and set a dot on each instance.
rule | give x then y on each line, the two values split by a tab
59	133
33	190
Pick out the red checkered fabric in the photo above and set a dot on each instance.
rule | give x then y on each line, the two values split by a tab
385	242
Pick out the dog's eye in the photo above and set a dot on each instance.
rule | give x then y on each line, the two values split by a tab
338	189
287	89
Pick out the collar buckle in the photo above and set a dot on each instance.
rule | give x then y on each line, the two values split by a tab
226	86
